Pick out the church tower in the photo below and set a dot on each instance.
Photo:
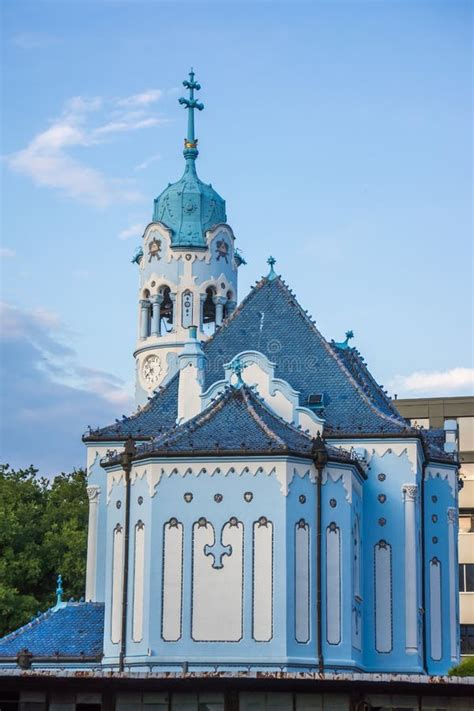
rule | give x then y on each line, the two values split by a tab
188	267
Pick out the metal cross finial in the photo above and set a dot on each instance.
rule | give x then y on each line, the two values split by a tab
349	335
59	590
272	274
190	142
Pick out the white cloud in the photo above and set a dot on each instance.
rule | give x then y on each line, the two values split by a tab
6	252
443	382
135	230
145	98
51	396
147	162
126	125
83	123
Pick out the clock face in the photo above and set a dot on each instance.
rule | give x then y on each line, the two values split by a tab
151	370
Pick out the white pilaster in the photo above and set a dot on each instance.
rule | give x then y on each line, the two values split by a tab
453	624
93	493
410	496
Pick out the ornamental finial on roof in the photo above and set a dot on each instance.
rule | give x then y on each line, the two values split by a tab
59	590
345	344
236	367
190	142
272	274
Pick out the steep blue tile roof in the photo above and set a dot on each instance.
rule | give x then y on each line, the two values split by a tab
158	415
271	321
71	631
237	420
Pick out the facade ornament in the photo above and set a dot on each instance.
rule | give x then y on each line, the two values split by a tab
410	492
452	517
93	493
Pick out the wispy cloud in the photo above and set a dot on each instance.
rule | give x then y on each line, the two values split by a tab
84	122
441	382
51	397
135	230
145	98
6	253
144	164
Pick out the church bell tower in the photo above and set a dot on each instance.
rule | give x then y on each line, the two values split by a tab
188	267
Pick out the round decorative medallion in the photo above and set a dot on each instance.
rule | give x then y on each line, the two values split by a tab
118	504
188	257
435	539
151	370
382	521
218	498
248	496
140	500
434	518
381	476
333	503
434	499
382	498
188	497
302	499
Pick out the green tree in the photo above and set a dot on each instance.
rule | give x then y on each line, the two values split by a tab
43	530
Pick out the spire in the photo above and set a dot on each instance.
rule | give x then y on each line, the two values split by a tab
59	590
271	261
190	142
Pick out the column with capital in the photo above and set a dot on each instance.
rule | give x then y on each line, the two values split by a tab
219	302
156	302
93	493
453	621
144	318
410	497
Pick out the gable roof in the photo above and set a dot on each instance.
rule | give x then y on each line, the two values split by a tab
74	630
271	321
237	421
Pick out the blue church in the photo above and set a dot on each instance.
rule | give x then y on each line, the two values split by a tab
265	530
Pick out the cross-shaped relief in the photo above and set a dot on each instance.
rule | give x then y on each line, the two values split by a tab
217	549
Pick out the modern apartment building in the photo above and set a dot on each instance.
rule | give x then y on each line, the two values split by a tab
432	412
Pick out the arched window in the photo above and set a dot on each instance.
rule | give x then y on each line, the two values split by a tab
209	312
166	310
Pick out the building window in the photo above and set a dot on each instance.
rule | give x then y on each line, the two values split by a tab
467	639
466	577
466	521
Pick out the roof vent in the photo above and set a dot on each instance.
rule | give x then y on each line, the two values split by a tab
317	401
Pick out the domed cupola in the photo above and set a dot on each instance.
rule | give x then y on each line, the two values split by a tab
189	208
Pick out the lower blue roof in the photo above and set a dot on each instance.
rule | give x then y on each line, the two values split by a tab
71	631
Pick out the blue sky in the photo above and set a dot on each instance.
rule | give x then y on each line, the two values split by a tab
339	133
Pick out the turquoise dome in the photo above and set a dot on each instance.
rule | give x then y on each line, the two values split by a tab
189	207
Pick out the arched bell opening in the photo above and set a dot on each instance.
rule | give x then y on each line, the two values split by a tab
166	310
209	312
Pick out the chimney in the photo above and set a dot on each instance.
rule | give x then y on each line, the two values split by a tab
191	377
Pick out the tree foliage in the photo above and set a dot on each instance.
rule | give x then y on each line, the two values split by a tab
43	532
